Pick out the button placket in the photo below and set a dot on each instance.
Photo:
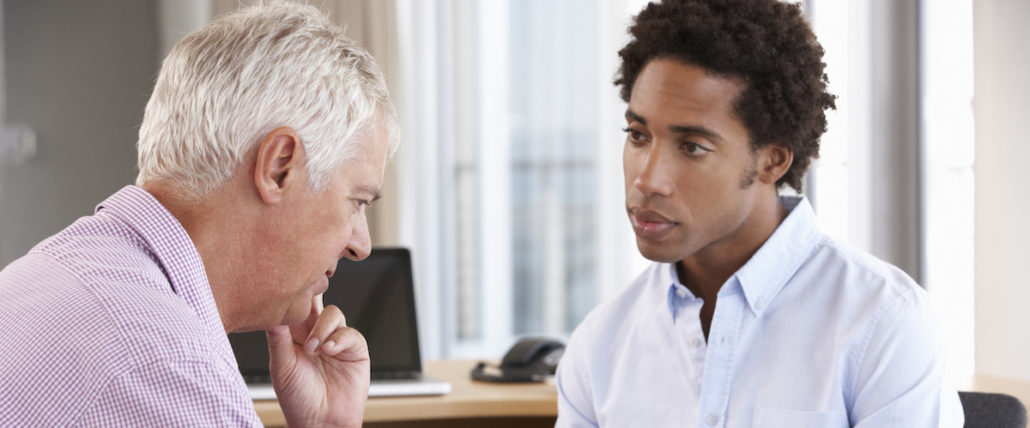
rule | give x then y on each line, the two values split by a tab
691	337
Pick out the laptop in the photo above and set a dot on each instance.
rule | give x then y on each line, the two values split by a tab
377	295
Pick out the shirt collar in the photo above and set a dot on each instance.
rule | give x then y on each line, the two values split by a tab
769	269
172	247
665	274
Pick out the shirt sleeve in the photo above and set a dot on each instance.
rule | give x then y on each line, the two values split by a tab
173	393
575	406
902	380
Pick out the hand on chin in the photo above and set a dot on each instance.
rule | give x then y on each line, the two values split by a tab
320	369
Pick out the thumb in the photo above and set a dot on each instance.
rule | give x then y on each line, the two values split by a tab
280	346
302	330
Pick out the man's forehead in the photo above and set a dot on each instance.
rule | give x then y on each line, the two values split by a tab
670	76
669	83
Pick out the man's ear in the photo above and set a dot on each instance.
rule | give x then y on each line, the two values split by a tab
279	164
773	162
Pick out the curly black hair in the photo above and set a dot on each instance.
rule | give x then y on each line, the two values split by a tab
766	43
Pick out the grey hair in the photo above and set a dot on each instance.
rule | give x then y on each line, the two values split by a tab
226	86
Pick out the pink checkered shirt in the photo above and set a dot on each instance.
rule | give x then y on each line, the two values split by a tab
111	322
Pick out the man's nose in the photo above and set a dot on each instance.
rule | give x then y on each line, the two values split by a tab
653	177
360	244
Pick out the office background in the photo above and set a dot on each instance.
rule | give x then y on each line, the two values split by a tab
508	184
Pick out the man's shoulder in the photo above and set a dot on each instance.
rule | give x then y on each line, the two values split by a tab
68	335
618	313
110	262
102	295
860	270
860	288
97	244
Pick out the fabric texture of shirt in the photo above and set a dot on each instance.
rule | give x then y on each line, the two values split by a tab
808	333
111	322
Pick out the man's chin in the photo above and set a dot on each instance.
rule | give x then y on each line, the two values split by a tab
658	253
295	315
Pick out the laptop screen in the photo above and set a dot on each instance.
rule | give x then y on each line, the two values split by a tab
378	298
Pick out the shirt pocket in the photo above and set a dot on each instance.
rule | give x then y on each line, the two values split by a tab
769	417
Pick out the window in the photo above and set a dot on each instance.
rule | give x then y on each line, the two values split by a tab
517	176
948	148
915	65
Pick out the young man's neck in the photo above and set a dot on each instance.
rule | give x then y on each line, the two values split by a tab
706	271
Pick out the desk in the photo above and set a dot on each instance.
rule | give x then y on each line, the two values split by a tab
486	405
470	404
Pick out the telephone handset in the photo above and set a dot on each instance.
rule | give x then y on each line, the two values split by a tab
531	359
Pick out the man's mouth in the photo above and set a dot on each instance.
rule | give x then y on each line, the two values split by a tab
323	288
649	224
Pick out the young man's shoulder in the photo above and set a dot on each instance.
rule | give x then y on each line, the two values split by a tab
860	272
620	313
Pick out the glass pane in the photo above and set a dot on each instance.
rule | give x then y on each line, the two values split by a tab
468	283
948	150
553	141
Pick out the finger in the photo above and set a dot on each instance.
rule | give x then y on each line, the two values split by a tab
316	304
328	321
280	345
301	331
346	344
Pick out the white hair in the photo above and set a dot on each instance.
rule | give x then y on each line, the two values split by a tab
222	89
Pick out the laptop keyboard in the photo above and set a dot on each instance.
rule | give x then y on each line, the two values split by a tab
257	379
395	375
398	375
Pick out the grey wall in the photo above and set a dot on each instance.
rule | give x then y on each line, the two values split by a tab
78	73
1002	243
894	135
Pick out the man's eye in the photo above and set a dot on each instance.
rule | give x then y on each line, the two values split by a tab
694	148
634	135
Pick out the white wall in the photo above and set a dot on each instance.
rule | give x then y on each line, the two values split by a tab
1002	115
79	74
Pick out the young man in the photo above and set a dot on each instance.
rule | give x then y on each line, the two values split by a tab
264	140
749	315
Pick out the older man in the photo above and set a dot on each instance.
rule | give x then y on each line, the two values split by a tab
264	140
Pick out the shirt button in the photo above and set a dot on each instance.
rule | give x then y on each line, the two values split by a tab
759	305
711	419
694	342
682	293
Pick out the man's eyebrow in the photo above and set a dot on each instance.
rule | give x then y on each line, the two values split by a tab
635	117
695	130
371	190
679	129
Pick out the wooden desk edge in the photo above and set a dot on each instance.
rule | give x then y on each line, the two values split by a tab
467	400
458	406
271	415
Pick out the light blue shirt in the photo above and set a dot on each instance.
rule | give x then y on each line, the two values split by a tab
808	333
